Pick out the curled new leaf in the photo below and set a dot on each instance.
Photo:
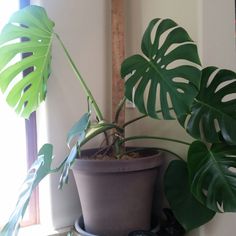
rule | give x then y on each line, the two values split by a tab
168	71
98	128
66	167
35	28
78	130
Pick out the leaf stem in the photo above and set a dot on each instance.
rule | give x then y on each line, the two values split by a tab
133	120
173	153
82	82
119	108
59	167
153	137
139	118
159	149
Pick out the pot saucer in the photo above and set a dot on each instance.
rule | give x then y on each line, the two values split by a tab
79	226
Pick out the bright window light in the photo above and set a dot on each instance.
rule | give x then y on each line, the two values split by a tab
12	140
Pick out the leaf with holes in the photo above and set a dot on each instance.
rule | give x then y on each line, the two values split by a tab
212	175
35	28
214	109
171	67
40	168
181	200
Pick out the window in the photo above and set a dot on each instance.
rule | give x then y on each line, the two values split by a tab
17	144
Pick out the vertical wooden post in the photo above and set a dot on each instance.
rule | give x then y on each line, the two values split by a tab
118	54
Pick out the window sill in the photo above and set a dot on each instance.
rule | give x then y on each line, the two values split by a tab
39	230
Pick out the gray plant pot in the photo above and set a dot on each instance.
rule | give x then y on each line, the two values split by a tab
116	195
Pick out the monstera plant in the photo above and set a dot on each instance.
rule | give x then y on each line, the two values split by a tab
166	82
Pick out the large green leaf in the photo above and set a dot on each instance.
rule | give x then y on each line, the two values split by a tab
33	25
171	66
187	209
40	169
215	107
212	175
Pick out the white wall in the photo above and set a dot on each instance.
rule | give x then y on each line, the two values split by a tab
84	26
217	33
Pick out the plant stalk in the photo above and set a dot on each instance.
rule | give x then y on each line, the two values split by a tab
133	120
59	167
82	82
119	109
153	137
139	118
173	153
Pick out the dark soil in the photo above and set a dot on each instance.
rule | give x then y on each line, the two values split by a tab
107	154
106	157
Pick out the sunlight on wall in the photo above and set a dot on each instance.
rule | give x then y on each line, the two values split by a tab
12	140
45	192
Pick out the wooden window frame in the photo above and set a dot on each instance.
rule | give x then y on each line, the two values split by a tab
31	147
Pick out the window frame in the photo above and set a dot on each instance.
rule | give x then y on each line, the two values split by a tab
31	150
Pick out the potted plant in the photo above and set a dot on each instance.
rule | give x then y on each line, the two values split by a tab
168	82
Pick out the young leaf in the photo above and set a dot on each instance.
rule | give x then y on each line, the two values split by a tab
33	25
98	128
212	175
171	66
215	107
66	167
79	129
189	212
40	168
